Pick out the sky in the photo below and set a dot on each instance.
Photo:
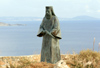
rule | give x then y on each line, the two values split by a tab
62	8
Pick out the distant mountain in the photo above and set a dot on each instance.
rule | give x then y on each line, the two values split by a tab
5	24
79	18
40	18
85	18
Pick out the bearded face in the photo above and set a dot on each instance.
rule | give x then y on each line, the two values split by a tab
48	13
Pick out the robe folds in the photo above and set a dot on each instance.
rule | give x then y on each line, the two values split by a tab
50	51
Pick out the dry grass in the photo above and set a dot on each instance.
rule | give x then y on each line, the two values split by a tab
85	59
24	63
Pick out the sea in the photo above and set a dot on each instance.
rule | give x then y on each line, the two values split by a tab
77	35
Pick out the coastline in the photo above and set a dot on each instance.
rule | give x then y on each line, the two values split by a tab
5	24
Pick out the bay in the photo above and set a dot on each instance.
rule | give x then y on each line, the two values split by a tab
23	40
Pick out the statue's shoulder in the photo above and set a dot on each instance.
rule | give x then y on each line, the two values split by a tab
43	19
55	18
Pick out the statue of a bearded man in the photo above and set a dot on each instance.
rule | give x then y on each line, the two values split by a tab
50	31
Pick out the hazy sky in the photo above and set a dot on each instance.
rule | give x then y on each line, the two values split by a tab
62	8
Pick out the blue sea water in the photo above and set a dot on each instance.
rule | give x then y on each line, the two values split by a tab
23	40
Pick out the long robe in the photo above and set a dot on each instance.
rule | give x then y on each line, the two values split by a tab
50	51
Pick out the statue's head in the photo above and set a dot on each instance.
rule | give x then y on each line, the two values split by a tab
49	12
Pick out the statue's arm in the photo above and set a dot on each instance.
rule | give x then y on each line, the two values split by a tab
56	29
41	31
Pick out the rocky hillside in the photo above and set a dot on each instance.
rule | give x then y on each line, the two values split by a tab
5	24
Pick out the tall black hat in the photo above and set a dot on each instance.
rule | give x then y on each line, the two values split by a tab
51	8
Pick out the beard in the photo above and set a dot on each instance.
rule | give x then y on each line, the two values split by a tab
48	16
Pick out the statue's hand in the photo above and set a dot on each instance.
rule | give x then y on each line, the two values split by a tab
53	32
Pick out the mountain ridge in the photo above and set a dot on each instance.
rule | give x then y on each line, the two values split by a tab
6	24
84	17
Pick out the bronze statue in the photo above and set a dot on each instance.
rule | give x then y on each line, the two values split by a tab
50	31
